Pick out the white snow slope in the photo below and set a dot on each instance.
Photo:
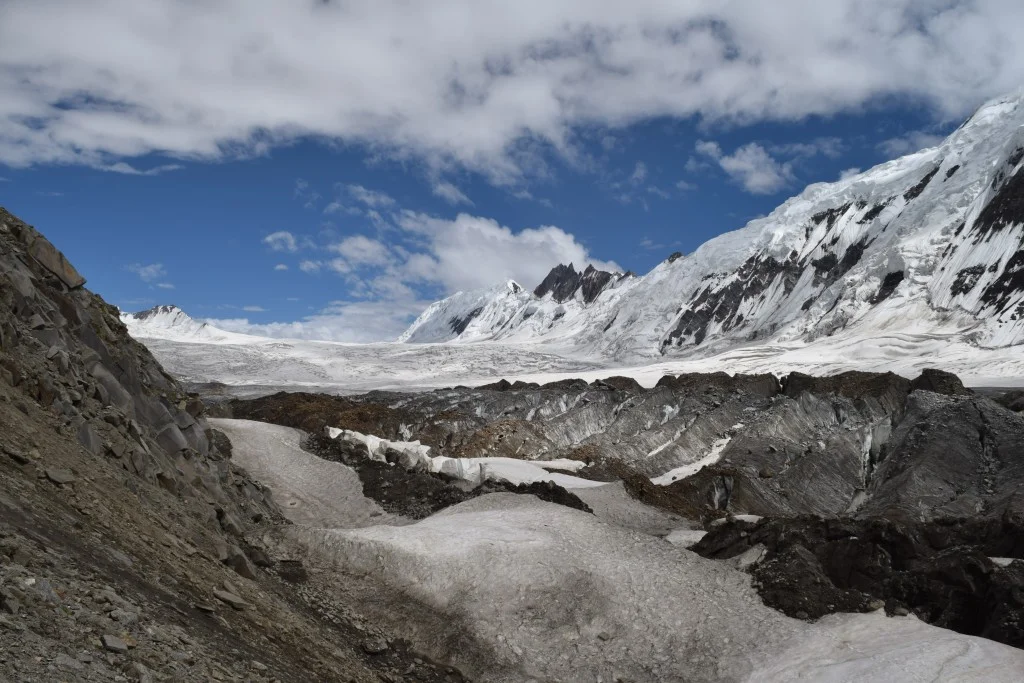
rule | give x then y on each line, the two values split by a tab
945	224
172	323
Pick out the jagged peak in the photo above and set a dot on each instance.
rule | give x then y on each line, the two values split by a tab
162	309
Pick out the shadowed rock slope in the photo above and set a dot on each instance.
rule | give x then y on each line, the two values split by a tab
129	543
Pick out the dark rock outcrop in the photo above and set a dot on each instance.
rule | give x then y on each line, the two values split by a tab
563	282
938	570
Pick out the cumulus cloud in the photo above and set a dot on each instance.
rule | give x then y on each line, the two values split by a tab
750	166
282	240
281	267
470	252
104	82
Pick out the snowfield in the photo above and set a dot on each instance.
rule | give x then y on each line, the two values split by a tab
528	590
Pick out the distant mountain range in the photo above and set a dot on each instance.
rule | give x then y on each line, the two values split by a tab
929	244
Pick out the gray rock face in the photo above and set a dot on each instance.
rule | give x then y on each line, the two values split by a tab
68	350
852	444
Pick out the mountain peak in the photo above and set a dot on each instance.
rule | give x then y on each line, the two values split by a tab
563	282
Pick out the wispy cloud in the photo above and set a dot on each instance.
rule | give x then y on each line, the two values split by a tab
450	193
150	274
305	194
281	267
147	273
125	168
370	198
282	240
910	142
254	309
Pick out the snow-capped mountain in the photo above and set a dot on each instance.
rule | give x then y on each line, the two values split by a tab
928	244
172	323
468	315
485	314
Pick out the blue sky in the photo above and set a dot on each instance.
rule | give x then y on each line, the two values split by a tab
331	178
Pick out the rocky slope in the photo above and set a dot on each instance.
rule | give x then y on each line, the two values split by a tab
928	245
130	544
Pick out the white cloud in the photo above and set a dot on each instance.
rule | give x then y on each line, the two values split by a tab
281	267
359	250
282	240
830	147
848	173
695	165
911	142
165	285
751	166
310	266
4	180
125	168
253	309
471	252
485	85
450	193
305	194
370	198
639	173
658	192
147	273
684	186
709	148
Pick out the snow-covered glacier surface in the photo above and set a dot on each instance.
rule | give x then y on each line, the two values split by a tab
261	364
581	596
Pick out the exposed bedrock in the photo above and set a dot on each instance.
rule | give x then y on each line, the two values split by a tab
862	444
941	571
